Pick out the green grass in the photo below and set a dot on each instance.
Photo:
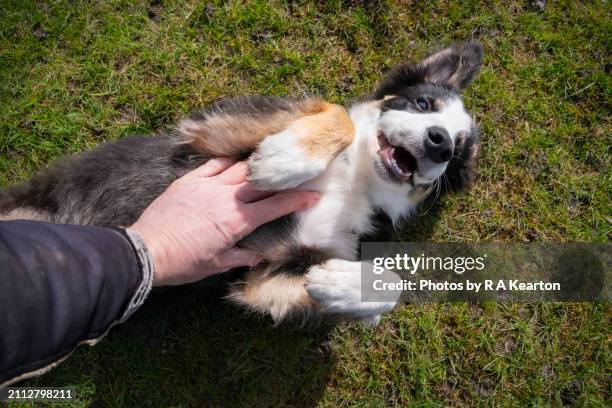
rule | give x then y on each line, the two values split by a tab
73	74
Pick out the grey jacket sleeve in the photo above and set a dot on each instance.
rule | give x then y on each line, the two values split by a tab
61	286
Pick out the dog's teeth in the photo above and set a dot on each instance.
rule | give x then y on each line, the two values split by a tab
397	167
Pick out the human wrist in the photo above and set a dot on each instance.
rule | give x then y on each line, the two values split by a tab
147	270
157	253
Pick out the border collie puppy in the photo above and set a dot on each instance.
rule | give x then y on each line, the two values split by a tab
380	157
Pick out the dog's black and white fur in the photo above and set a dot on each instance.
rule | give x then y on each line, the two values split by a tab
384	157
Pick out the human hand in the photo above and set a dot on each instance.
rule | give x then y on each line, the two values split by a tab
192	228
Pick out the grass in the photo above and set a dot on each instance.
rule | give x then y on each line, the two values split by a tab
73	74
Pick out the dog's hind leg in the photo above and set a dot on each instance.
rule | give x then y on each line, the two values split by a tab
337	287
330	288
282	296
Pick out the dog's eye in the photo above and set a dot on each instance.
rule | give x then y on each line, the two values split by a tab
423	104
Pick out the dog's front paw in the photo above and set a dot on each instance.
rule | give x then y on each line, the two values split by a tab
336	285
280	163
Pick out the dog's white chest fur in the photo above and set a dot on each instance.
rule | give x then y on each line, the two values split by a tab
342	213
350	194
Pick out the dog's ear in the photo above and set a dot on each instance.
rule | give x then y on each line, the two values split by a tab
453	67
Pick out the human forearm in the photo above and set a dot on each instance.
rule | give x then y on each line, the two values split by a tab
62	285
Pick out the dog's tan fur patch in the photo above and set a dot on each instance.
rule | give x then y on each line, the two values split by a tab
277	294
232	136
326	130
326	133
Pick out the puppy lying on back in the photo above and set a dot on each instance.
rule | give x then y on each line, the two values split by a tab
380	157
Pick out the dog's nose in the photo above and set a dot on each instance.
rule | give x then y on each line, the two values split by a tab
438	145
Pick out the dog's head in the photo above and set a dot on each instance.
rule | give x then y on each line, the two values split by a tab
424	131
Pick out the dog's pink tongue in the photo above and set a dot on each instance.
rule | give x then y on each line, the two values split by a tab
386	153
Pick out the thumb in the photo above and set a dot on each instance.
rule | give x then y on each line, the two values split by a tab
236	257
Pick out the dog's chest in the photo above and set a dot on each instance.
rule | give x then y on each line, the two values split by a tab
341	215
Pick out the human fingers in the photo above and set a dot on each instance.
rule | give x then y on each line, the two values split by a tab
213	167
236	174
276	206
247	194
237	257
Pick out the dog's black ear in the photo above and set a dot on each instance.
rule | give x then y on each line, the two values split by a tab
400	77
454	67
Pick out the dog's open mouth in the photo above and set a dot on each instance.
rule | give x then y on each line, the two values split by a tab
399	162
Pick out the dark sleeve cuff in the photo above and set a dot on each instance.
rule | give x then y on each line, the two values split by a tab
147	269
